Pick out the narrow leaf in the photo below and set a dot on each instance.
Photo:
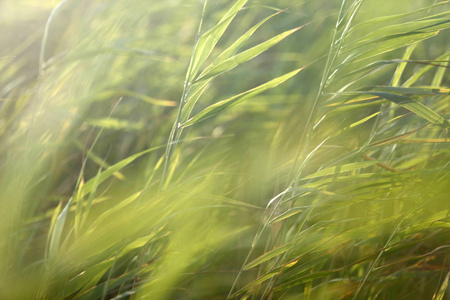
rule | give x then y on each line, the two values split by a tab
401	67
242	57
439	75
255	283
234	48
208	40
411	80
57	230
271	254
289	213
386	44
443	288
416	107
341	169
403	28
221	105
87	188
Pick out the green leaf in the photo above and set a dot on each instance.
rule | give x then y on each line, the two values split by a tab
411	91
115	124
221	105
346	16
289	213
442	289
357	123
230	63
364	120
108	94
255	283
97	291
401	67
194	93
88	186
208	40
57	231
435	22
386	44
306	278
232	50
341	169
198	87
416	107
375	23
348	70
81	281
116	208
269	255
55	215
366	177
439	75
90	198
417	74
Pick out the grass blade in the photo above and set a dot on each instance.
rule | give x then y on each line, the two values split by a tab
57	231
416	107
240	58
208	40
92	183
442	289
341	169
221	105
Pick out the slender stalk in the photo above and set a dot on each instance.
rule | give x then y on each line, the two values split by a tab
176	131
331	58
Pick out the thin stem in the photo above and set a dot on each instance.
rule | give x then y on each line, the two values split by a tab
176	131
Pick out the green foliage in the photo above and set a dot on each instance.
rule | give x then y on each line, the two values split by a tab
224	149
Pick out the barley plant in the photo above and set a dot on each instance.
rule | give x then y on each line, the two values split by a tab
224	149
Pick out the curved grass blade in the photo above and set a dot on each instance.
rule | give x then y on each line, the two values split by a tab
411	80
357	123
374	23
88	186
348	69
55	215
221	105
57	231
416	107
97	291
386	44
114	124
345	17
208	40
412	91
401	67
254	283
108	94
422	25
115	209
442	289
439	75
234	48
82	281
289	213
242	57
341	169
198	87
268	255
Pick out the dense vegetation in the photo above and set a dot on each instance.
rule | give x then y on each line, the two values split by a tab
224	149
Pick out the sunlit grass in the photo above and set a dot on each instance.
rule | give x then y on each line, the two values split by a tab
224	150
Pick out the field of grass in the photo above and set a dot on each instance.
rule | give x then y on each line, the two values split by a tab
226	149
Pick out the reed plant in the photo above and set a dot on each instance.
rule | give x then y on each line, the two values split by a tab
224	149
